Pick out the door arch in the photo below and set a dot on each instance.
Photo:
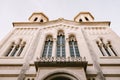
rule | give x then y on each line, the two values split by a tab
60	76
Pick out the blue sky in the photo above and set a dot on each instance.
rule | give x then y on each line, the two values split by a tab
20	10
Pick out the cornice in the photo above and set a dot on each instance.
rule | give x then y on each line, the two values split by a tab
62	21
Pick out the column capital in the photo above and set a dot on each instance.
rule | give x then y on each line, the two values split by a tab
67	39
54	39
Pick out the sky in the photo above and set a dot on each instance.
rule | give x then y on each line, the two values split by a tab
20	10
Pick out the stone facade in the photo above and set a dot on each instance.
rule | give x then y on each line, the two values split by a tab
22	50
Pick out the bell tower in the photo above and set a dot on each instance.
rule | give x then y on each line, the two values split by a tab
38	17
84	17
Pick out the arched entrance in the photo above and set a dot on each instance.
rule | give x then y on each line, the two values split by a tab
60	76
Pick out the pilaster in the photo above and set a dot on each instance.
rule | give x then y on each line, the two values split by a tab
67	48
54	47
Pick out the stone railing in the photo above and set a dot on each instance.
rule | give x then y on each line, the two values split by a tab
61	59
61	62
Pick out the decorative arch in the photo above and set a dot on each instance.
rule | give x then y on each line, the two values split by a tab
60	31
48	34
72	34
49	37
72	37
60	75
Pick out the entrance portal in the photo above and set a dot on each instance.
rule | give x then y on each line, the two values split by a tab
60	78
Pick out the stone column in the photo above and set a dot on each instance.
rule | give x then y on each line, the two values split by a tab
54	48
67	48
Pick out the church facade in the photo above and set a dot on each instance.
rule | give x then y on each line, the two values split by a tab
79	49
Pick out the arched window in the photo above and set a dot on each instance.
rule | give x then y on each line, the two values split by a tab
103	47
60	44
106	48
41	20
10	49
111	48
28	79
35	19
100	47
74	52
20	49
80	20
86	19
16	48
48	47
